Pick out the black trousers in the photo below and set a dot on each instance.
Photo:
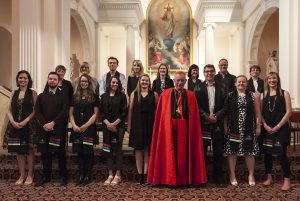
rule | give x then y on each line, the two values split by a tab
85	163
115	157
284	161
47	162
217	140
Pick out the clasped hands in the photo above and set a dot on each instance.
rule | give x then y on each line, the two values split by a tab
270	130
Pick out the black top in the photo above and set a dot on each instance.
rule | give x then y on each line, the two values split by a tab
226	82
273	111
113	107
157	85
131	84
66	88
142	121
83	111
191	84
260	87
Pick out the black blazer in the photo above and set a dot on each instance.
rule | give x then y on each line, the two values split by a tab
156	85
260	87
202	99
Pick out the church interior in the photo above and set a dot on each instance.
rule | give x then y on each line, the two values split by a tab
38	35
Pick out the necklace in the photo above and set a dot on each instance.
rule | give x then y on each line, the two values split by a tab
274	104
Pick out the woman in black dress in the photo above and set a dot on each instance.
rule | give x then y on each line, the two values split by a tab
113	111
277	109
241	126
20	130
137	70
140	123
163	80
83	114
193	74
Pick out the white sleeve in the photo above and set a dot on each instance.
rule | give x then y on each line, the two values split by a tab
102	84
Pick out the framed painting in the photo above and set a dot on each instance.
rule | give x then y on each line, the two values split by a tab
169	34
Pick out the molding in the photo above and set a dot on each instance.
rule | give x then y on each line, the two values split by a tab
221	5
107	6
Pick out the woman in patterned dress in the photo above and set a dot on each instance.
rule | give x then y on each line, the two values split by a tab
20	129
242	126
277	109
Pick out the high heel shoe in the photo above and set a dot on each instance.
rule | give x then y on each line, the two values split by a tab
234	182
20	181
28	181
251	181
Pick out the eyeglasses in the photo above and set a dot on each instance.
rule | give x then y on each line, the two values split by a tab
209	71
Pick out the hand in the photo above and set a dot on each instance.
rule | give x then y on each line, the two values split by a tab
83	128
16	125
23	123
268	129
48	126
76	129
275	129
212	119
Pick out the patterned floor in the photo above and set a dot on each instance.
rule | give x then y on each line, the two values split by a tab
133	191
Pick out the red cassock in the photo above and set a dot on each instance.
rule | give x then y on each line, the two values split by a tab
189	159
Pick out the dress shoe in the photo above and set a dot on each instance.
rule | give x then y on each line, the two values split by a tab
80	180
42	181
63	181
87	180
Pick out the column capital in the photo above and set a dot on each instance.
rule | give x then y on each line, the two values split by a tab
209	24
127	26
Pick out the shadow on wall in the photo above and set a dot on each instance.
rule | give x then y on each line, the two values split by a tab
5	58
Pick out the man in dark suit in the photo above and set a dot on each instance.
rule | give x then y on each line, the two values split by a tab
255	84
210	97
51	112
224	78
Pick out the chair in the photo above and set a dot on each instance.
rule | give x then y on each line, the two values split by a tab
295	126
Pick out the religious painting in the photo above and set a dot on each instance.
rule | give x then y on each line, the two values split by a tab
169	34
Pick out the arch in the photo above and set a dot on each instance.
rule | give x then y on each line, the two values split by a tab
87	43
265	12
5	57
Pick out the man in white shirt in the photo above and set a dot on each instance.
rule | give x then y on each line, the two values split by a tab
112	63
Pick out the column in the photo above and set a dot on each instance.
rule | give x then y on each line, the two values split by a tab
26	38
130	48
289	45
209	42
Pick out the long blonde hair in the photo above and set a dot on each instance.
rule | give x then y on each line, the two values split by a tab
139	63
267	88
138	86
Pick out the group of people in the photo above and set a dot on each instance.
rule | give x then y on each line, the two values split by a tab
170	125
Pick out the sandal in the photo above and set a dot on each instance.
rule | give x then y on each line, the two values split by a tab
28	181
108	180
116	180
20	181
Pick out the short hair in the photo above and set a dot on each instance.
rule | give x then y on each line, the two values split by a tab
28	76
209	66
223	59
114	59
60	67
257	67
192	67
53	73
84	64
244	76
108	85
180	73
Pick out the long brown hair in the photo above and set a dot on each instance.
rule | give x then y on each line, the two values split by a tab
138	86
89	91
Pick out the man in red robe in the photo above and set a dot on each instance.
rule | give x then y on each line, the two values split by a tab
176	156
